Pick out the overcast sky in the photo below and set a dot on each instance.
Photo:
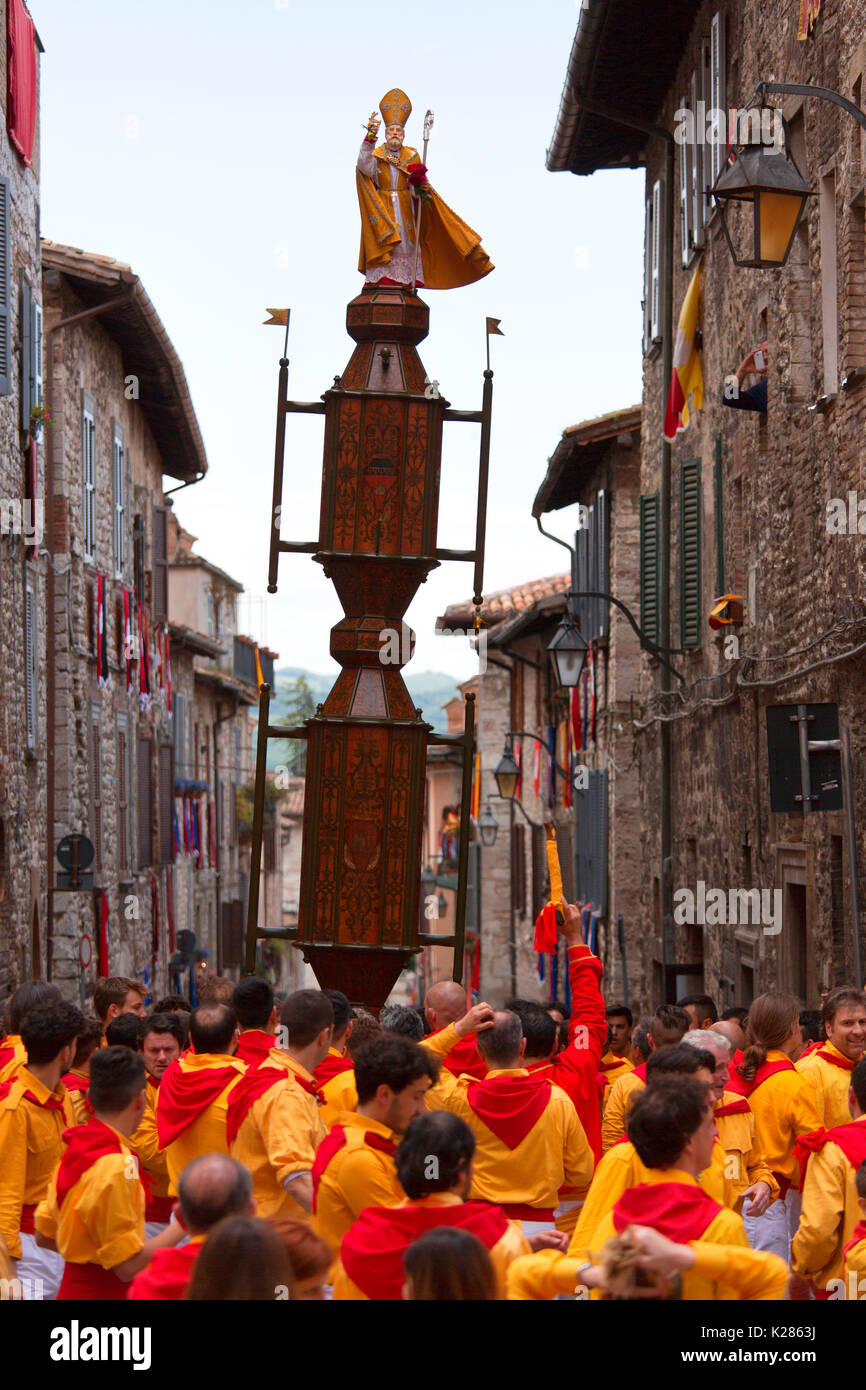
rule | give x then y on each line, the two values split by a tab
211	144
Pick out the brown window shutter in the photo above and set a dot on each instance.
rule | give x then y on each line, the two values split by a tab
145	805
160	564
166	799
91	619
539	870
518	870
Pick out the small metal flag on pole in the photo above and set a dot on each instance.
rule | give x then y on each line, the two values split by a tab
280	317
492	327
428	126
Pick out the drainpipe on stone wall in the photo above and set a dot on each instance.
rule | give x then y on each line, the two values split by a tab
620	118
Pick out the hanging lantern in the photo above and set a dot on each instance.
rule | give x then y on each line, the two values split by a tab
760	196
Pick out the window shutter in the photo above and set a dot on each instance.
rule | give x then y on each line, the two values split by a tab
718	93
649	565
647	275
599	833
118	471
36	368
96	786
718	481
698	172
5	334
518	870
539	869
601	563
138	556
26	302
88	470
686	158
166	800
656	252
160	565
30	639
145	805
690	553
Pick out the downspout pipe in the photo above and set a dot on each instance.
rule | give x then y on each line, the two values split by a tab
608	113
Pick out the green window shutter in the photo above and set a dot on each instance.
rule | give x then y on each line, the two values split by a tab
650	573
718	481
690	553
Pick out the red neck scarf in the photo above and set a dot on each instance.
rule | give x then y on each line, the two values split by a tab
612	1066
850	1138
373	1248
841	1062
742	1087
245	1095
8	1048
640	1072
331	1067
72	1082
84	1145
167	1276
51	1102
185	1095
733	1107
858	1234
465	1057
254	1046
509	1105
337	1140
676	1209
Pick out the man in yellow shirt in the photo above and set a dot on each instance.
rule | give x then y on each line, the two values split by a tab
161	1040
530	1142
354	1166
742	1171
670	1025
193	1093
115	995
253	1002
831	1203
93	1212
617	1057
828	1067
672	1128
35	1111
335	1076
273	1122
77	1079
434	1168
13	1053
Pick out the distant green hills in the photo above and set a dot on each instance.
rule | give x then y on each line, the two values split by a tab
429	690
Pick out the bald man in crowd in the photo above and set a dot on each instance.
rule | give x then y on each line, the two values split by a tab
209	1189
730	1029
444	1003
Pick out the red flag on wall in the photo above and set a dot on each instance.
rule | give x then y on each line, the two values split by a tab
22	86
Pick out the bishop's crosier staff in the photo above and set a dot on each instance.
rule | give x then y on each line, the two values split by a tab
428	126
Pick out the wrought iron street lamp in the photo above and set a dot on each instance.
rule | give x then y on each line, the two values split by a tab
569	650
488	827
507	773
760	197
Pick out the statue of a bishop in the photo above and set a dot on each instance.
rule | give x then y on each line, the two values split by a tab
396	199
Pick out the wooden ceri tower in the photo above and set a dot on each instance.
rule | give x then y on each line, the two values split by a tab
359	916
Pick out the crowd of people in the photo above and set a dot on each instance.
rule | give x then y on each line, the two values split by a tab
254	1149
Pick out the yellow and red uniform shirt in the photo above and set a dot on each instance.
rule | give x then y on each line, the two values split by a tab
273	1127
254	1045
354	1169
145	1143
529	1141
738	1139
94	1211
335	1078
830	1204
671	1201
741	1272
854	1257
77	1085
371	1257
619	1098
13	1055
610	1069
166	1278
828	1072
32	1124
783	1104
191	1108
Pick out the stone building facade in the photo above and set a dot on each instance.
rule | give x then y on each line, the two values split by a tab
23	562
122	418
751	493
